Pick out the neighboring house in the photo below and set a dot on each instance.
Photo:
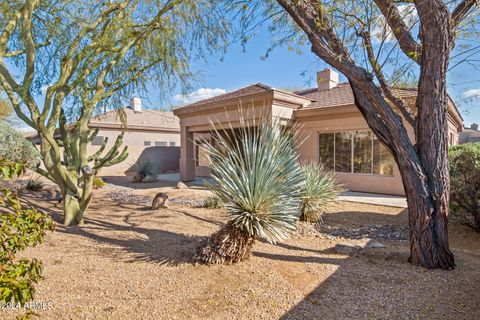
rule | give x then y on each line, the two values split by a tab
469	135
336	133
149	134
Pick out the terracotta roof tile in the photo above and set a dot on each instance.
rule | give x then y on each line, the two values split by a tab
338	96
249	90
146	118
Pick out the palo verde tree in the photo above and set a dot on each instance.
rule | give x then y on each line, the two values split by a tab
88	55
373	42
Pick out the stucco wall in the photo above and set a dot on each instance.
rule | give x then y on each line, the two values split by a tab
311	127
165	158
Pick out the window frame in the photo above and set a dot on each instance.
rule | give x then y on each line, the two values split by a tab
352	152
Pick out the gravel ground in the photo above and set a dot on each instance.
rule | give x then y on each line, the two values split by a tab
128	262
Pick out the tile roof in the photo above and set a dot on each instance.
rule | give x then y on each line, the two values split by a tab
245	91
146	118
340	95
469	135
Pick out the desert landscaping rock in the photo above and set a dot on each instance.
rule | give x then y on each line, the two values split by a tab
374	245
181	185
387	232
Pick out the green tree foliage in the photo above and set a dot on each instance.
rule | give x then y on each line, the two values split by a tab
89	56
19	228
319	191
465	183
258	180
14	147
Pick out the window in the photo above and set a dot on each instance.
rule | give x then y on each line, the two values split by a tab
382	159
362	152
147	143
354	152
327	150
160	143
98	141
343	152
172	144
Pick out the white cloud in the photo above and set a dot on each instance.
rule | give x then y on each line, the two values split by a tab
409	15
472	93
200	94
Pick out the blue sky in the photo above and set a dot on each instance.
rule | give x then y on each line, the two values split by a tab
289	70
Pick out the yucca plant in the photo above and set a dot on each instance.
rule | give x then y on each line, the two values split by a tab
258	180
320	189
145	170
34	185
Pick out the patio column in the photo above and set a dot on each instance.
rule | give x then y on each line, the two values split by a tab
187	162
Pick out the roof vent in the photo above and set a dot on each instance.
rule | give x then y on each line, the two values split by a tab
136	104
326	79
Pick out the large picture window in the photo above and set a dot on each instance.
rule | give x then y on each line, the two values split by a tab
354	152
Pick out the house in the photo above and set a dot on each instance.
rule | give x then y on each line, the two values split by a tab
469	135
336	133
149	134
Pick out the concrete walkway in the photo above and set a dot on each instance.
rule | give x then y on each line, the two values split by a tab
175	177
373	198
362	197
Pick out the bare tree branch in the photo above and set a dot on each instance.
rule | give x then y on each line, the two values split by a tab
401	31
461	11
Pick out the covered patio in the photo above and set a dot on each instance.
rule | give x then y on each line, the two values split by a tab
223	113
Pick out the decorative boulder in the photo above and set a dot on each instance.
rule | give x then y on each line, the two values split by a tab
181	185
160	201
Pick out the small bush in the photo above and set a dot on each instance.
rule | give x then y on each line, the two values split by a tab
318	192
145	170
19	228
98	183
15	148
211	203
465	183
35	185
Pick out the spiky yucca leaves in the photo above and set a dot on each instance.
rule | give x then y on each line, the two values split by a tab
145	170
258	179
318	192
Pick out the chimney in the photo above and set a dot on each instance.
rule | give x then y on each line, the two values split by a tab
474	126
136	104
326	79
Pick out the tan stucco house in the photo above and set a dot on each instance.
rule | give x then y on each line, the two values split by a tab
149	134
336	133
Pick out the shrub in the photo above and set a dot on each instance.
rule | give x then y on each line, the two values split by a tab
318	192
257	178
14	147
98	183
35	185
211	203
19	228
145	170
465	183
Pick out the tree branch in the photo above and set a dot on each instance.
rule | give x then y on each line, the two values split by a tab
401	31
398	102
461	11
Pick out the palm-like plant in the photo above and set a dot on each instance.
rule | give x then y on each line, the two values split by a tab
258	179
318	192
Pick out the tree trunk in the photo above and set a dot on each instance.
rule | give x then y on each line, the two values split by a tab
73	210
428	220
426	190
